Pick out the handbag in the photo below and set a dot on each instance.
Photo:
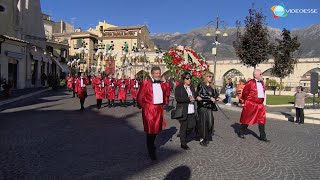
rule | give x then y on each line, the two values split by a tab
176	113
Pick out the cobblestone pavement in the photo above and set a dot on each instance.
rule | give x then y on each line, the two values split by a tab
47	137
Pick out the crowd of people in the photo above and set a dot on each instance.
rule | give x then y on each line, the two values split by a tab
107	87
195	102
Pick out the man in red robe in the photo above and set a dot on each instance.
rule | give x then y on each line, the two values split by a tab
75	88
111	90
122	90
254	111
134	88
92	79
151	97
70	80
99	89
81	84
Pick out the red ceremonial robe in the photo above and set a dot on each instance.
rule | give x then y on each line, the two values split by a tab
82	91
152	114
122	89
70	81
134	88
92	79
111	88
167	92
99	88
75	89
253	111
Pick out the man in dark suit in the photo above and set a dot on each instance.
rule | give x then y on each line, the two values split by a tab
185	96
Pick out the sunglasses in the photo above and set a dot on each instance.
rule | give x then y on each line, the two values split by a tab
187	78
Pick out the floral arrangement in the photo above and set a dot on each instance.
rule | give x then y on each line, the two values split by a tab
183	59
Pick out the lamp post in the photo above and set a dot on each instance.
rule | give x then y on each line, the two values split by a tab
216	23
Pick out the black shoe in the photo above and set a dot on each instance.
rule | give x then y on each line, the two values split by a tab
241	136
264	139
178	135
184	146
203	143
152	154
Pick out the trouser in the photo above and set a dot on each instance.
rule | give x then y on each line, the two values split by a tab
263	135
184	131
150	143
205	124
74	94
82	103
229	98
123	103
134	102
299	115
99	103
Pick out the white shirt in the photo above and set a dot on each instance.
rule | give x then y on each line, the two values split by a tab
260	89
157	93
190	106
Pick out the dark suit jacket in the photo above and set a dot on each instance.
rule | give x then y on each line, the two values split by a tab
183	100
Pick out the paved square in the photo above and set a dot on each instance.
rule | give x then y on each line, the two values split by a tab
47	137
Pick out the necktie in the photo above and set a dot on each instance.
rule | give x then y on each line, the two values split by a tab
157	81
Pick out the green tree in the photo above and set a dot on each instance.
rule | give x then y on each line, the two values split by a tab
252	47
283	54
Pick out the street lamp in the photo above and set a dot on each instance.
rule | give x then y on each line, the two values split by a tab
216	23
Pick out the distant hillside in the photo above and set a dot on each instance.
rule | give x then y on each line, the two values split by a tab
309	38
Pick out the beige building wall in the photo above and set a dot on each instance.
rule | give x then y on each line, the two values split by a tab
301	68
32	23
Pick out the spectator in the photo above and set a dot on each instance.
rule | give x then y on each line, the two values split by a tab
299	104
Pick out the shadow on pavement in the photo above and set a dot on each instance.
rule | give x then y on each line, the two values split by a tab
36	99
236	128
181	172
71	144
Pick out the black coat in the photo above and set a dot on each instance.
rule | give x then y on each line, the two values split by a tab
206	92
183	100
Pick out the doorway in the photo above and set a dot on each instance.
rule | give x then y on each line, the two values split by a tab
13	73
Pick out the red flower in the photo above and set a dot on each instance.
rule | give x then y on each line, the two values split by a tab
194	73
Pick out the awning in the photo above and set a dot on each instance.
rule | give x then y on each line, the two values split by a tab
64	68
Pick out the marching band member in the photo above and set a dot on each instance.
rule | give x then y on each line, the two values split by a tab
70	81
134	88
99	89
111	90
82	89
122	90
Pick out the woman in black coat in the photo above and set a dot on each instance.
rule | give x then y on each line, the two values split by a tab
207	95
185	96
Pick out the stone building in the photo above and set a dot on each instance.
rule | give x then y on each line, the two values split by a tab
111	49
25	54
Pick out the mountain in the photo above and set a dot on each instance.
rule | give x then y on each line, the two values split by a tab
309	38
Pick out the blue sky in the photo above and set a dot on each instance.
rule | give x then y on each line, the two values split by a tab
174	15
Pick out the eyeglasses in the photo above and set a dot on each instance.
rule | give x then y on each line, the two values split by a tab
187	78
209	76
